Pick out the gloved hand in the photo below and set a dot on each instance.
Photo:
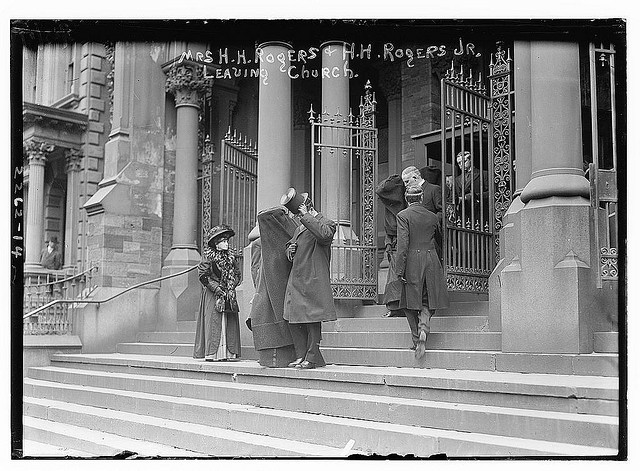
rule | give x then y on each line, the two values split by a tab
291	251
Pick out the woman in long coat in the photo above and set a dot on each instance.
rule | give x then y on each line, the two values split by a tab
308	299
218	325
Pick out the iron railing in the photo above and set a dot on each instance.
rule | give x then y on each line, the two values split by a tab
79	302
42	295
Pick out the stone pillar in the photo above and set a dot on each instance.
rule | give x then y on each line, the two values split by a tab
546	289
274	125
36	153
179	296
73	166
335	167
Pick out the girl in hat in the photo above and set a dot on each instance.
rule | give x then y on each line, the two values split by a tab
218	326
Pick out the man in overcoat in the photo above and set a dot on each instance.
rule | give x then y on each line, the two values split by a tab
391	194
308	299
431	194
431	197
471	190
418	267
50	257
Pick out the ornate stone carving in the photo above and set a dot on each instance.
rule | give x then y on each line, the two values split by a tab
110	56
73	160
186	83
36	152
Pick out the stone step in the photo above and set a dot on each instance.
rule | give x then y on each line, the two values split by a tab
561	393
199	438
459	308
595	364
368	436
605	342
399	324
402	340
577	429
62	439
33	449
173	349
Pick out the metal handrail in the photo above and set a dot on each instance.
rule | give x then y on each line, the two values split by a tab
93	301
67	279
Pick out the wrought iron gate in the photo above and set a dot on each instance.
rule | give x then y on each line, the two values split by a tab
476	172
229	188
351	144
603	168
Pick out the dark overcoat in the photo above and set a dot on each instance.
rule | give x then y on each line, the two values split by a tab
270	330
209	321
309	297
417	261
432	197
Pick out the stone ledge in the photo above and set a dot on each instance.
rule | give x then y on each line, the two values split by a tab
51	341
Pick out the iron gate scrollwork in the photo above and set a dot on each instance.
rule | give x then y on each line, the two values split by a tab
351	143
476	172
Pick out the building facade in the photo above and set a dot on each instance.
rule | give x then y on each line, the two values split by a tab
133	147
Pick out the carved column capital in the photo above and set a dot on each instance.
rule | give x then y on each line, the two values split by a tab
73	160
36	152
186	83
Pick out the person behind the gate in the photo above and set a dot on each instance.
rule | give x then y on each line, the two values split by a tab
218	325
472	189
418	267
308	298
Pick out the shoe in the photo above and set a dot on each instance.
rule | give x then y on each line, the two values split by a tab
412	348
306	365
387	314
421	346
295	363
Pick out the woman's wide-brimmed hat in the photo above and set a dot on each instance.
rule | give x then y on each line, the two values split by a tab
218	233
292	200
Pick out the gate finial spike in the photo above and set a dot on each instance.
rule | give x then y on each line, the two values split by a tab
311	114
228	135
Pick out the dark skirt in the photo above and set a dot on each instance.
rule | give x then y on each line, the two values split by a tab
209	328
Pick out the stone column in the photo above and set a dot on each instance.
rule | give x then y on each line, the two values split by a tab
73	166
546	289
335	167
274	125
36	153
179	296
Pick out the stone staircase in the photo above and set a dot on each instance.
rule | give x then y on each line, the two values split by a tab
466	398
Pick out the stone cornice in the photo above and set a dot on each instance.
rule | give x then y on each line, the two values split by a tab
53	117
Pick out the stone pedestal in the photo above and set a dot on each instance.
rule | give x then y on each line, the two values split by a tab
547	290
180	295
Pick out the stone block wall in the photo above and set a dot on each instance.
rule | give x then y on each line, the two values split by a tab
93	101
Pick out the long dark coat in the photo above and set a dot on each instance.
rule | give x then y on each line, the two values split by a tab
209	321
270	330
432	197
309	297
391	194
417	261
